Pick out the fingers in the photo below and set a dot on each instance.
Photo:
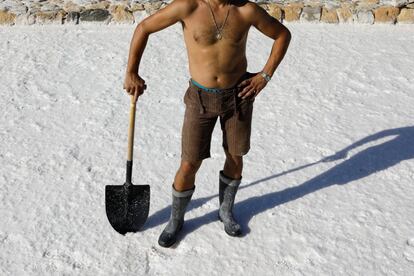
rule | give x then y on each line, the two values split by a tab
248	87
251	93
135	90
135	96
248	80
137	93
243	83
252	88
247	92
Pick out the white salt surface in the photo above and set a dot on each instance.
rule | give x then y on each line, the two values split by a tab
64	121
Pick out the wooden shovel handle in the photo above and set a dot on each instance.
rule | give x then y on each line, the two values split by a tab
131	128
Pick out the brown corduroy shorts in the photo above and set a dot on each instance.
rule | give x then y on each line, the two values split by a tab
201	113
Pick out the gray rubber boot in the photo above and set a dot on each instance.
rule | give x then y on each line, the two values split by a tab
227	193
180	201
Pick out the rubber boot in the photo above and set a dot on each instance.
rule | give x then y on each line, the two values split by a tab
227	192
180	201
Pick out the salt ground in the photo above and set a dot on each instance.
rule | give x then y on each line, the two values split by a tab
63	136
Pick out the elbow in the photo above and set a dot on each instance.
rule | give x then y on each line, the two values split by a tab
287	34
283	34
142	28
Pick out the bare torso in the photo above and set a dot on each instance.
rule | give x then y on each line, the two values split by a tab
212	62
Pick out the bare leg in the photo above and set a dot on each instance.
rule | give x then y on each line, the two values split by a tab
233	166
185	176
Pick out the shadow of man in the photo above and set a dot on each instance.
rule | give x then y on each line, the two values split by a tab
360	165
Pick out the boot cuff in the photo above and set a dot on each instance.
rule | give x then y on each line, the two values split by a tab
185	193
230	181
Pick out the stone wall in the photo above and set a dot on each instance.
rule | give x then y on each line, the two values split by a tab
28	12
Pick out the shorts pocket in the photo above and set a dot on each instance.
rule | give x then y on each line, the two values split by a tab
190	97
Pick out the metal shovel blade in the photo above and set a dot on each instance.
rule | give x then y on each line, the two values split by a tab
127	206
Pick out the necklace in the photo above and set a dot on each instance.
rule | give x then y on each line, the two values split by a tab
218	32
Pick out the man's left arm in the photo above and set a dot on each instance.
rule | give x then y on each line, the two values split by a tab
272	28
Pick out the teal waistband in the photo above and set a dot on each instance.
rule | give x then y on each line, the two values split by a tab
213	90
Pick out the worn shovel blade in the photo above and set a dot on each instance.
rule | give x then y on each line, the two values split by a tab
127	207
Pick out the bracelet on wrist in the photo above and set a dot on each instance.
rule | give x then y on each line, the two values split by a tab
265	76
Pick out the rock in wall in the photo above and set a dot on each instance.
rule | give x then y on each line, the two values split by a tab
28	12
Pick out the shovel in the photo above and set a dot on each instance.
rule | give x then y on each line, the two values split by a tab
127	205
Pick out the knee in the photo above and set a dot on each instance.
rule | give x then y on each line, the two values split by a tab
189	168
233	166
234	160
238	160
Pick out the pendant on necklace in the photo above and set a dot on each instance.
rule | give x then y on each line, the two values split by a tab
218	35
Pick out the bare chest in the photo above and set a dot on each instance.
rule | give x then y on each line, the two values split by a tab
202	29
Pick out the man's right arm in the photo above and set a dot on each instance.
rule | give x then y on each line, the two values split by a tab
167	16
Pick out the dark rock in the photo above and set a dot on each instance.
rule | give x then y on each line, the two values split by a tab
72	18
94	15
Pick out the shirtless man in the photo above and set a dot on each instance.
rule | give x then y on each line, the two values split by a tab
215	34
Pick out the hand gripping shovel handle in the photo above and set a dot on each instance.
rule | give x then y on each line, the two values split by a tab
131	139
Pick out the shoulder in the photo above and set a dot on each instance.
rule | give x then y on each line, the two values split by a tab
254	8
251	12
184	7
245	4
248	8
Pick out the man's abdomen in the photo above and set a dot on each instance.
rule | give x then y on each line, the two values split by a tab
217	70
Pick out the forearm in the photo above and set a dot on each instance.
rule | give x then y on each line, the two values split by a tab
370	138
277	53
136	50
